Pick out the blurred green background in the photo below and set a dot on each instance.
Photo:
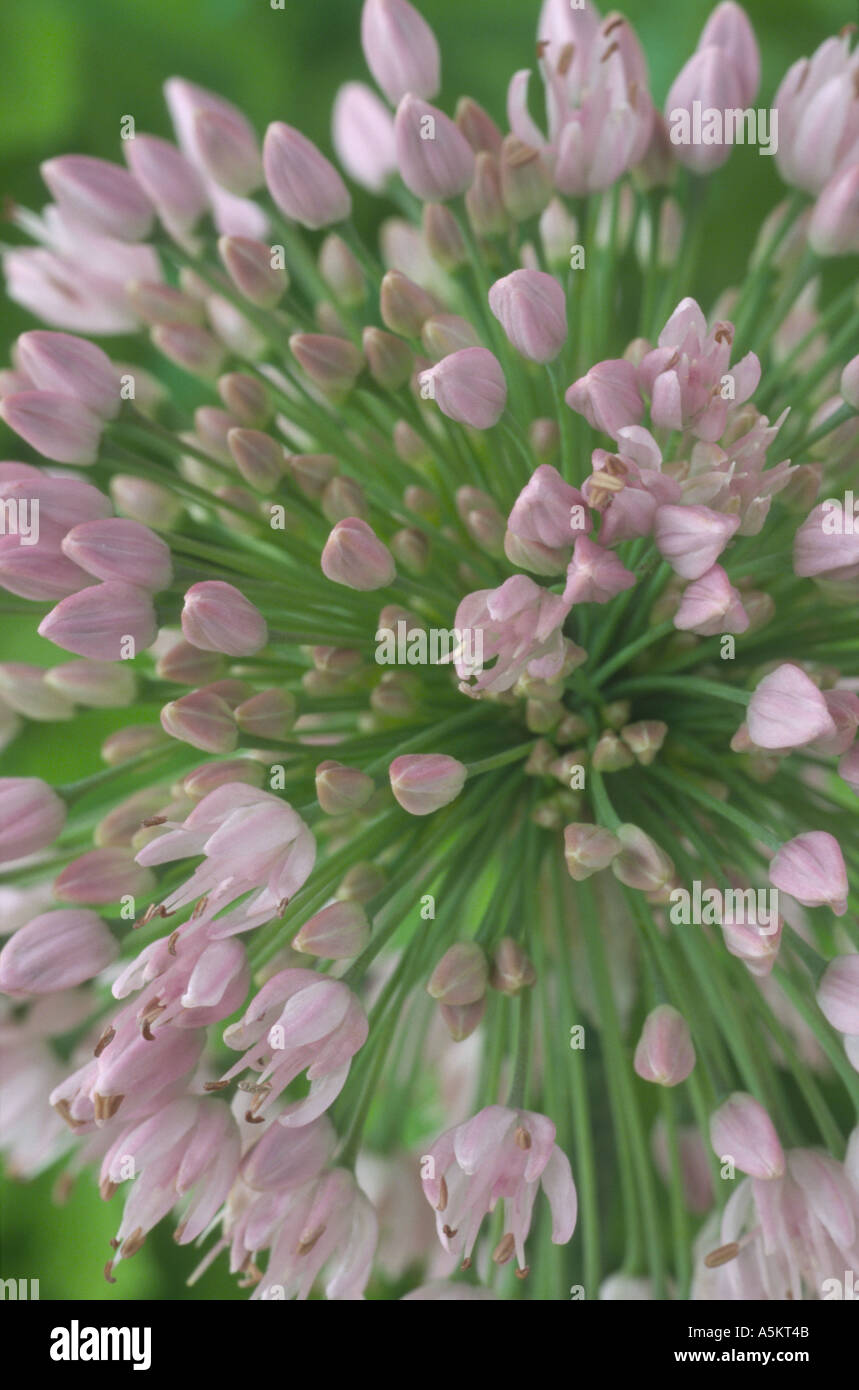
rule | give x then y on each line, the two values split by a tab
70	73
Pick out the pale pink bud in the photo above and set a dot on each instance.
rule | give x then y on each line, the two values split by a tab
461	976
24	688
249	265
838	993
120	549
610	753
711	604
848	768
31	817
155	303
202	719
341	789
811	869
312	472
461	1020
59	427
477	126
259	458
355	557
70	366
692	538
334	364
665	1054
339	932
607	396
103	876
128	742
531	308
850	383
640	862
341	271
526	185
424	782
711	80
112	621
730	29
55	951
843	707
404	306
245	398
169	181
361	883
834	226
191	347
511	971
411	549
757	946
645	739
390	359
218	618
96	684
787	710
821	547
228	149
483	201
206	778
188	665
149	503
742	1131
443	334
101	195
442	236
270	714
362	132
588	848
436	162
468	386
304	184
595	575
400	49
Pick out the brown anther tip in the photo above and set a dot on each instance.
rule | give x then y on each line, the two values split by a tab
450	1231
523	1272
441	1204
466	1264
306	1243
146	1030
107	1037
171	942
523	1138
724	334
722	1256
179	1232
566	58
612	48
108	1272
542	45
504	1249
106	1190
611	24
200	906
253	1119
215	1085
153	820
849	28
114	1243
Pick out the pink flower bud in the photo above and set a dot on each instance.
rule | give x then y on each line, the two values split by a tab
787	710
96	684
24	688
711	604
55	951
390	359
70	366
850	383
532	309
595	575
757	946
245	398
838	993
202	719
59	427
334	364
362	132
810	868
512	971
355	557
31	817
102	876
640	862
169	181
341	789
249	265
477	126
607	396
645	739
436	162
102	196
443	238
128	742
610	753
468	386
834	226
820	548
587	849
443	334
304	184
120	549
461	1020
730	29
259	458
106	622
191	347
143	501
339	932
526	185
664	1053
461	976
404	306
270	714
483	200
400	49
218	618
228	149
343	498
424	782
692	538
708	81
742	1131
